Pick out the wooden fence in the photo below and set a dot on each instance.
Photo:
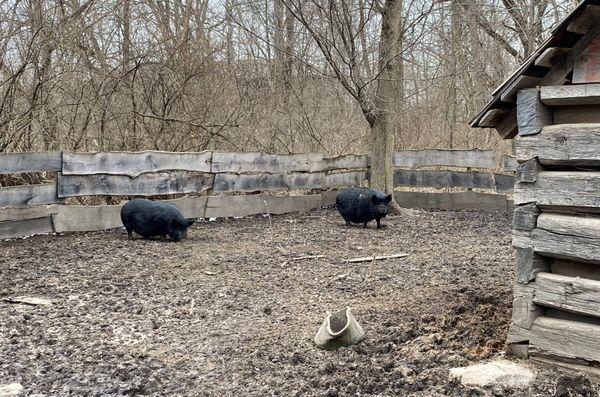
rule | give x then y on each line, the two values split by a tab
209	179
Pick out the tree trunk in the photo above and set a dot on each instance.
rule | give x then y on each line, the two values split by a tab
452	97
126	45
386	98
229	32
39	94
290	41
277	67
382	153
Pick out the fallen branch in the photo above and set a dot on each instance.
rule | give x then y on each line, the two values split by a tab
28	301
208	273
375	258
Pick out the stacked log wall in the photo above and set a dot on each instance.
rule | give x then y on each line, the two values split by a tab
556	229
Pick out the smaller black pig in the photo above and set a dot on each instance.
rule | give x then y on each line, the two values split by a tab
360	205
153	218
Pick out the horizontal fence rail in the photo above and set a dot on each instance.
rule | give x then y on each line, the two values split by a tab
452	158
35	209
133	164
30	162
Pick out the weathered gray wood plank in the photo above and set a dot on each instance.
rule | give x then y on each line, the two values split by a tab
133	163
518	334
569	237
561	189
504	183
347	161
190	207
84	218
452	201
525	217
328	197
576	226
20	214
528	264
492	117
81	218
509	163
510	92
562	144
507	127
24	228
572	294
521	239
345	179
230	206
585	20
29	162
454	158
565	338
266	163
524	310
444	179
527	172
532	114
550	56
523	314
258	182
577	94
144	185
20	196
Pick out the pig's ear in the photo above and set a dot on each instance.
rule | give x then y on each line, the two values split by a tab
388	198
190	222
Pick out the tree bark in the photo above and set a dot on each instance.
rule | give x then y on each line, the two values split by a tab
386	98
452	95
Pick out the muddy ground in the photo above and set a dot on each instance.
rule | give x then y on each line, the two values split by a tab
230	313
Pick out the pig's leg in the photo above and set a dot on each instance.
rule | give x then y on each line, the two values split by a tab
348	222
378	223
365	225
163	237
129	232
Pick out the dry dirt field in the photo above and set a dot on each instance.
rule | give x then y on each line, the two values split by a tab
229	312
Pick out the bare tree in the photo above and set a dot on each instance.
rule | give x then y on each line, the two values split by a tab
274	75
376	88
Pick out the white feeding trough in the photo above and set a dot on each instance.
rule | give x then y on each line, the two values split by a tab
340	329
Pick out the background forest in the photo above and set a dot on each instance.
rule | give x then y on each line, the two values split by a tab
279	76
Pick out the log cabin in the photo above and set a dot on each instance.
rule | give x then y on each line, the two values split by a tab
550	106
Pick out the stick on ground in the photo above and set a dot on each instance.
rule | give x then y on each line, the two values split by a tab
301	258
375	258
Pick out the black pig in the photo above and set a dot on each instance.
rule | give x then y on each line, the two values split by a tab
360	205
153	218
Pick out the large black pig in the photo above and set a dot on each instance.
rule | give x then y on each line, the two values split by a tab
153	218
360	205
